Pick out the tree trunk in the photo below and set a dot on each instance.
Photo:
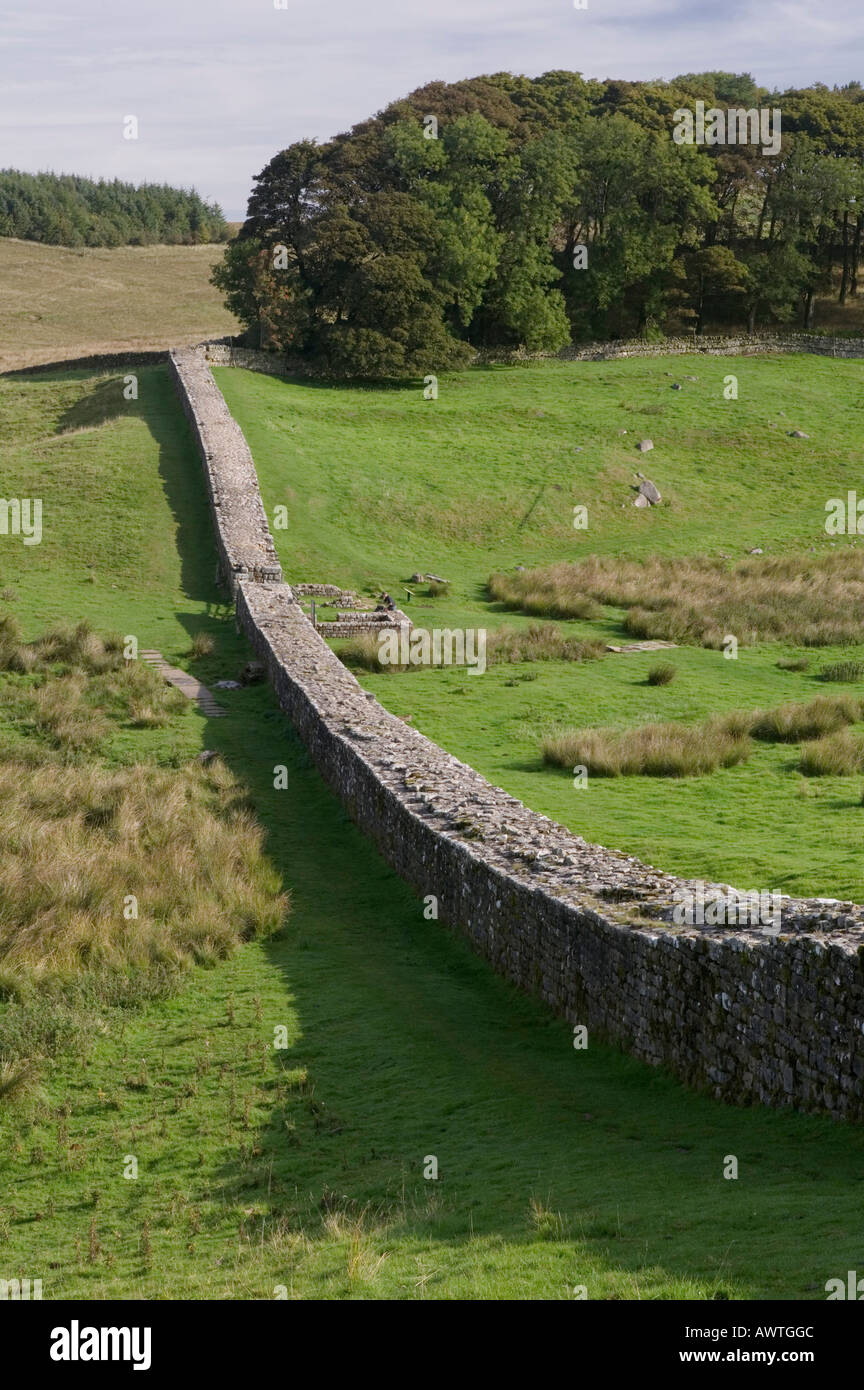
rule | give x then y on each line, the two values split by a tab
844	278
751	320
856	256
762	217
809	300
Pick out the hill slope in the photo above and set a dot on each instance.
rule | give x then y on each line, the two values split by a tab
61	302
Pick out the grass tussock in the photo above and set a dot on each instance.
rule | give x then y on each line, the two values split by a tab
812	600
839	754
364	651
539	642
790	723
842	671
651	750
202	645
662	674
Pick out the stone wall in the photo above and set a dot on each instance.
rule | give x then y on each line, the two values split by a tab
741	345
747	1016
738	345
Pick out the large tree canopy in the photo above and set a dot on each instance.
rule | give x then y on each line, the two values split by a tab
514	212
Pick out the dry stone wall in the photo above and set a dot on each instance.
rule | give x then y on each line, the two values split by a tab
222	353
748	1016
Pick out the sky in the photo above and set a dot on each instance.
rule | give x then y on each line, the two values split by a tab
219	86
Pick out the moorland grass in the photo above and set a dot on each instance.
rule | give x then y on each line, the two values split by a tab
811	600
114	882
681	750
652	750
536	642
842	671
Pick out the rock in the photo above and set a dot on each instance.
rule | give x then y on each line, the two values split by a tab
797	434
650	491
416	578
758	551
691	378
227	685
436	579
644	445
676	386
640	500
207	756
253	673
520	567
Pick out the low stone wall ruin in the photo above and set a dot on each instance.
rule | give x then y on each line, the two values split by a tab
749	1017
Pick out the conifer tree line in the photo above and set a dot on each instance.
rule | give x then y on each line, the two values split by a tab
452	222
65	210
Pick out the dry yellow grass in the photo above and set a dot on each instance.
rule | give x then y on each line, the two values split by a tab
816	600
114	880
690	750
64	302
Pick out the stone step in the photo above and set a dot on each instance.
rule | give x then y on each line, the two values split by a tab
191	688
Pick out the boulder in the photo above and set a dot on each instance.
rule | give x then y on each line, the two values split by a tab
649	491
640	500
253	673
798	434
644	445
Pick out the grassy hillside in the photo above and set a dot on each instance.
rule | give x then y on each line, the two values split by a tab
60	302
301	1169
379	483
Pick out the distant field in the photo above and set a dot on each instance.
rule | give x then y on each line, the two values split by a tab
60	302
379	483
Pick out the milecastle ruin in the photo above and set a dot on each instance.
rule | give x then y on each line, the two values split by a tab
750	1015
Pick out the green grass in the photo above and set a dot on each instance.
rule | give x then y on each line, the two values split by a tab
380	483
303	1167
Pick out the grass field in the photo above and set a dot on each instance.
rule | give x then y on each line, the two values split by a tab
380	483
64	302
302	1169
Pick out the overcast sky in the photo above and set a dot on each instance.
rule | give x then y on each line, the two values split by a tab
218	86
